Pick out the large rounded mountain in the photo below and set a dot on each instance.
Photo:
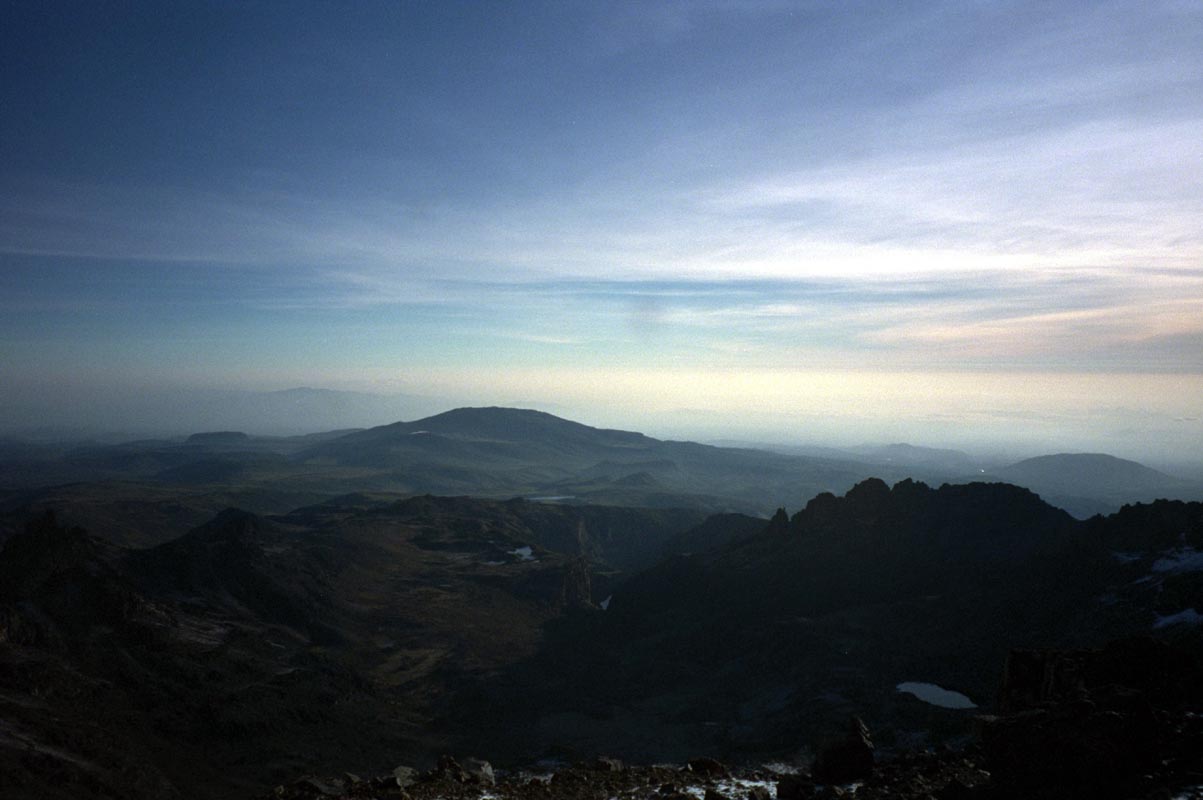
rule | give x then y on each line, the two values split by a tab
1090	483
503	452
485	432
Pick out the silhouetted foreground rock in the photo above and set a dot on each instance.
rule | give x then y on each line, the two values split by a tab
945	776
795	787
1118	722
1123	721
847	760
605	777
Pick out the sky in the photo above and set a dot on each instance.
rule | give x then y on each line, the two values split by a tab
939	222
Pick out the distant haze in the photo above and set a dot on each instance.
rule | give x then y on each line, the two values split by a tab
1010	415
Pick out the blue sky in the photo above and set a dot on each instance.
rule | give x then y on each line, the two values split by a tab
550	201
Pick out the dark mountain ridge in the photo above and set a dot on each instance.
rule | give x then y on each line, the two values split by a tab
218	437
395	630
797	626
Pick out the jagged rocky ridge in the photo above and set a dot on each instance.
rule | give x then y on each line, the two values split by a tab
352	635
1115	722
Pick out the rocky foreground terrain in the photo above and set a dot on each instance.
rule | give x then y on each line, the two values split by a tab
1123	721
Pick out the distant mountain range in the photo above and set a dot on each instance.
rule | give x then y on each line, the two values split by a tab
1082	483
1090	483
501	453
490	452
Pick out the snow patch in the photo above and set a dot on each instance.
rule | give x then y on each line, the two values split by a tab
524	553
781	768
1188	616
1184	559
1126	558
604	605
732	787
936	695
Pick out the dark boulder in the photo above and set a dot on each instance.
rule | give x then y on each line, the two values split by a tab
1094	723
448	769
848	759
795	787
568	778
708	768
319	787
404	777
1071	751
479	772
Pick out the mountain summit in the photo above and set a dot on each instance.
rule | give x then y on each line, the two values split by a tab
1071	472
1091	483
502	452
495	423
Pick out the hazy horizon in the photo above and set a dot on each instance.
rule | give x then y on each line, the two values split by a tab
954	225
306	410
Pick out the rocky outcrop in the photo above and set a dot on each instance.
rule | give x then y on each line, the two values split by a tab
867	499
707	768
17	628
1158	671
795	786
848	759
1109	723
405	776
577	591
479	771
46	552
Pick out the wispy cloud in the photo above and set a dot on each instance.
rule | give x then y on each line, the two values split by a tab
707	187
1100	195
